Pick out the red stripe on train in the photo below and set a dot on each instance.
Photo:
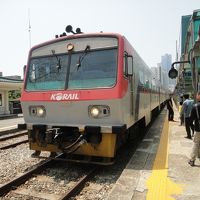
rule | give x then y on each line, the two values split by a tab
73	95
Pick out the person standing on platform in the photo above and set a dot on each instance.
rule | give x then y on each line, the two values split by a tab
170	109
186	111
195	117
181	114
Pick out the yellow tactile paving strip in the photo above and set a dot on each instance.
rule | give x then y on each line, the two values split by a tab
160	187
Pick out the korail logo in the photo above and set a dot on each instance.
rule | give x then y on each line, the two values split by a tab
61	96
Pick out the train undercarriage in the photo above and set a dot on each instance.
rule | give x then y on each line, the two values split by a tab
90	145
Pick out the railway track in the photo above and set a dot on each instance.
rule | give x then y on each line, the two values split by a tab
12	135
4	189
79	185
73	191
8	132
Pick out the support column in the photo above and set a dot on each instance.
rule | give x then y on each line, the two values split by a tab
2	102
6	103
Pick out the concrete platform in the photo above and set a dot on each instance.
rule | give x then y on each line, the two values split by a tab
10	116
9	123
159	169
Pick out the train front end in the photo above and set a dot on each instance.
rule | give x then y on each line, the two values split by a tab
72	97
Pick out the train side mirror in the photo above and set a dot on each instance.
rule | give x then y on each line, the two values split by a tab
128	65
24	70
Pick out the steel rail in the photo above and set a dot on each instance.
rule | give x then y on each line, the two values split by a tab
13	145
4	189
9	131
14	136
79	185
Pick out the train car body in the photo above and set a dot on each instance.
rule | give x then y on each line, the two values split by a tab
83	92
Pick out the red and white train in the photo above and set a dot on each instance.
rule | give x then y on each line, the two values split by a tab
83	93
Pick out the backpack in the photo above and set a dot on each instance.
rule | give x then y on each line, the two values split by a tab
198	118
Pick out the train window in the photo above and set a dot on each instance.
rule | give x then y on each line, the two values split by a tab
43	73
147	85
141	77
98	69
153	84
0	99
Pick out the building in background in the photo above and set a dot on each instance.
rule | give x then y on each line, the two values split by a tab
156	73
188	80
160	74
17	77
185	21
6	85
166	61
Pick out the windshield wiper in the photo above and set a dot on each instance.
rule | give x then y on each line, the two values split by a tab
58	66
81	57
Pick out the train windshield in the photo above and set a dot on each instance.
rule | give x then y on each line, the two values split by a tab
94	69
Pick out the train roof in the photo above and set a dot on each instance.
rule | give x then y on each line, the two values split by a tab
75	36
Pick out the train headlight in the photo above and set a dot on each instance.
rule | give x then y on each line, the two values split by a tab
37	111
98	111
40	111
94	112
70	47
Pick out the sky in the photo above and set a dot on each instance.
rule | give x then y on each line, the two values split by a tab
151	26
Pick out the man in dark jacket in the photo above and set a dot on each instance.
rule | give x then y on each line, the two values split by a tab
186	112
170	109
195	117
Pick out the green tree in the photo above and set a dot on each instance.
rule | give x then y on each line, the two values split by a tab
14	94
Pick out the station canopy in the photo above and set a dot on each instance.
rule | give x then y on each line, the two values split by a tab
10	84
